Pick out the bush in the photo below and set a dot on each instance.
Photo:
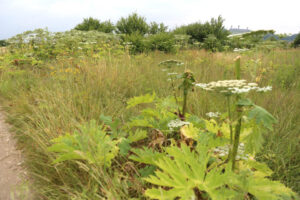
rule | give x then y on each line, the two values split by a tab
3	43
135	42
90	24
106	27
132	24
156	28
163	42
212	43
296	42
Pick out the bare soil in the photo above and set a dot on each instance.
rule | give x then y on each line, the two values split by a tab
12	176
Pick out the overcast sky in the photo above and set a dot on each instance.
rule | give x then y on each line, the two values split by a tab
17	16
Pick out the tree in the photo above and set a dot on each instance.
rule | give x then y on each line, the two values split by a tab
200	31
106	27
296	42
88	24
156	28
133	24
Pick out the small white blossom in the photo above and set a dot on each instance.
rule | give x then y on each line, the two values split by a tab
240	50
173	73
264	89
213	114
232	87
177	123
224	150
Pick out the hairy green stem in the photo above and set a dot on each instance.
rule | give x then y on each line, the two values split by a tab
237	133
239	110
230	126
185	93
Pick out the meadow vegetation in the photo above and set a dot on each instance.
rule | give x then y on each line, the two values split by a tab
108	116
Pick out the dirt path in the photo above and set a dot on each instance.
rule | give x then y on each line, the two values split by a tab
12	175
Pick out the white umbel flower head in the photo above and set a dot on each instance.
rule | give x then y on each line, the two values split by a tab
213	114
229	87
176	124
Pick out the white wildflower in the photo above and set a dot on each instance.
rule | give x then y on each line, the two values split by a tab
177	123
173	73
213	114
240	50
224	150
264	89
232	87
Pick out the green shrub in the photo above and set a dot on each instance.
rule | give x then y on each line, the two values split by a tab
90	24
157	28
135	42
3	43
212	43
133	24
296	42
163	42
106	27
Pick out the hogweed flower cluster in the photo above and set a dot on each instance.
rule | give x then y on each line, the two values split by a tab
213	114
176	124
223	151
232	87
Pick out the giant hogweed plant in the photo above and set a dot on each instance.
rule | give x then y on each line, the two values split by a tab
201	170
184	156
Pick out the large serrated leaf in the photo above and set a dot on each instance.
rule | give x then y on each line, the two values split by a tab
262	117
148	98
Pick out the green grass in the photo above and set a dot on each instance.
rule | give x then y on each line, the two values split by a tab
43	103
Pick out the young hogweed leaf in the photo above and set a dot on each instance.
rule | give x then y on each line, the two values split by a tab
189	131
147	156
91	143
265	189
254	141
137	135
183	171
245	102
262	117
148	98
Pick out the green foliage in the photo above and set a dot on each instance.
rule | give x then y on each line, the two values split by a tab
148	98
296	42
156	118
3	43
135	42
88	24
212	43
156	28
262	117
133	24
162	42
212	33
90	144
187	174
106	27
91	24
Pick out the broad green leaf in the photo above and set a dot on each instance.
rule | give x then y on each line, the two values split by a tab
147	156
90	143
124	146
245	102
137	135
189	131
148	98
262	117
183	170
